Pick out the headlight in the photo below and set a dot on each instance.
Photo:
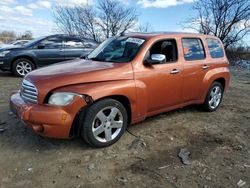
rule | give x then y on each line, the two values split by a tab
62	98
4	53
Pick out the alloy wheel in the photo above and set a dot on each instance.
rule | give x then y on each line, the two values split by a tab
107	124
23	68
215	97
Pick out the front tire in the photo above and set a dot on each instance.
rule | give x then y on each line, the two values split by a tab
214	97
103	123
22	66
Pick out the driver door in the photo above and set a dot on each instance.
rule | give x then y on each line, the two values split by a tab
163	81
49	51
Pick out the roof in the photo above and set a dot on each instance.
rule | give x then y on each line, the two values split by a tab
73	36
154	34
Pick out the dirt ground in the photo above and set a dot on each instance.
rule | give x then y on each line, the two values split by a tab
146	156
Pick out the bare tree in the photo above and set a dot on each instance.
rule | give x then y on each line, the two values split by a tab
227	19
115	18
87	22
7	36
28	35
107	19
65	18
147	27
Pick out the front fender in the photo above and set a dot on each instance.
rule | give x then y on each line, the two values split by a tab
214	74
99	90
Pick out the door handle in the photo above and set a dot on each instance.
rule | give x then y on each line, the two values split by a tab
61	50
205	67
174	71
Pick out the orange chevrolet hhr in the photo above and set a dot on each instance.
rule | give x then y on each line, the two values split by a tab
124	80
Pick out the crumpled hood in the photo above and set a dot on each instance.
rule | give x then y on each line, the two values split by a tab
77	71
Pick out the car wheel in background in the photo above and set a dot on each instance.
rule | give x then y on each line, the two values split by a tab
103	123
22	66
214	97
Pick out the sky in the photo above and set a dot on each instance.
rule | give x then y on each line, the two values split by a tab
36	15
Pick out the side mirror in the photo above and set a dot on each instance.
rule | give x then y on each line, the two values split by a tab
155	59
41	46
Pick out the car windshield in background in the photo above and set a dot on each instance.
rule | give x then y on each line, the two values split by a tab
117	49
30	43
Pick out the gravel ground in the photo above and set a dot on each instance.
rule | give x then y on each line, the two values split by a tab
146	156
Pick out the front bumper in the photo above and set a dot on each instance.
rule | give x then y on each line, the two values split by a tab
47	120
5	63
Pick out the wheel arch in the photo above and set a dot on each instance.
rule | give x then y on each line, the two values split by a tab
222	81
25	57
124	100
221	74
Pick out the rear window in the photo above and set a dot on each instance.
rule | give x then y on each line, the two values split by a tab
193	49
215	48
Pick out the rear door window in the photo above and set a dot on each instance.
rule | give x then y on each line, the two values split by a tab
71	43
215	48
193	49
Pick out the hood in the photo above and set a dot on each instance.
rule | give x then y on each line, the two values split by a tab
11	48
78	71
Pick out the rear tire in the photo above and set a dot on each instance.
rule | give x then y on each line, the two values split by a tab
22	66
103	123
214	97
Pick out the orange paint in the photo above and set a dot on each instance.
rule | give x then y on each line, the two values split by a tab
150	90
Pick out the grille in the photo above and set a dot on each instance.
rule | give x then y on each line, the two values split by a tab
29	92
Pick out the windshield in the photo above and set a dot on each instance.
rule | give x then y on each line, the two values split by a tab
30	43
10	43
117	49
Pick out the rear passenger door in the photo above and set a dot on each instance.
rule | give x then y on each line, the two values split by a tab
195	68
74	48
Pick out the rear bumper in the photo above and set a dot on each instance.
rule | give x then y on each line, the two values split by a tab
47	120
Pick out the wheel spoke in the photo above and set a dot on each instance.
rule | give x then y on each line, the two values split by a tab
211	101
101	116
213	93
22	71
219	96
99	130
19	66
215	103
117	124
27	69
113	113
27	66
217	90
108	134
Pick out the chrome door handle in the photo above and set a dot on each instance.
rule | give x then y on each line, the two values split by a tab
205	67
174	71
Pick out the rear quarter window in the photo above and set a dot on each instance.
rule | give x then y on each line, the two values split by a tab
193	49
215	48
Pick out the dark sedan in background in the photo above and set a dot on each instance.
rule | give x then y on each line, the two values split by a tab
21	60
